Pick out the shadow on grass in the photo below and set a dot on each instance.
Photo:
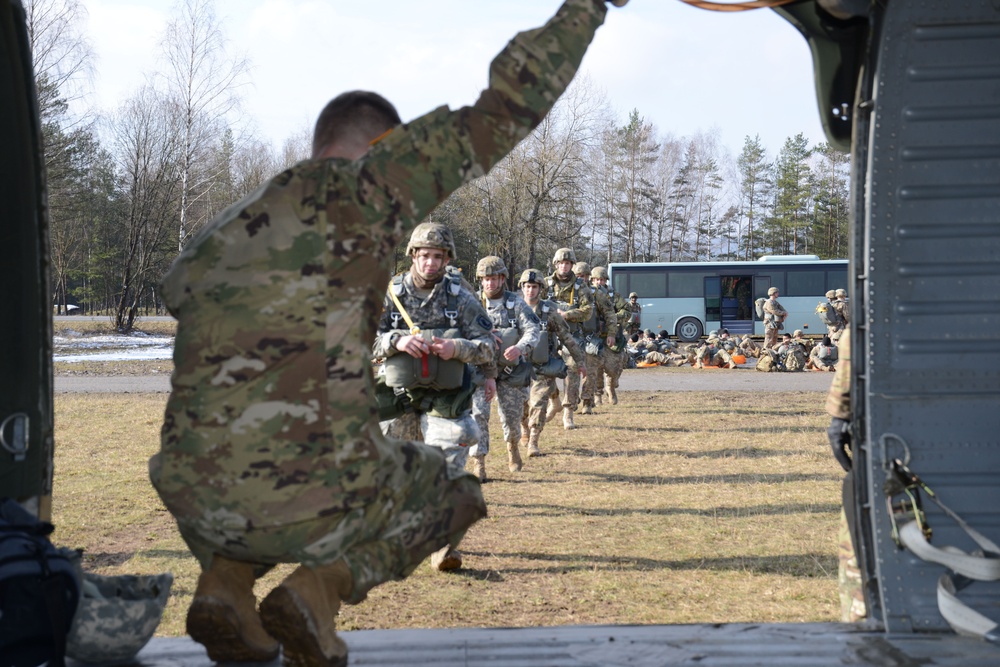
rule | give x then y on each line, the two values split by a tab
807	565
726	453
736	478
744	512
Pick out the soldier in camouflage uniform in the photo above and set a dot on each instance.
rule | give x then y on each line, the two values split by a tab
555	335
599	336
575	302
748	347
823	356
791	354
427	312
271	450
612	356
774	318
838	406
843	308
635	315
518	329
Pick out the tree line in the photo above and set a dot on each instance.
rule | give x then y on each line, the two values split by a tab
128	188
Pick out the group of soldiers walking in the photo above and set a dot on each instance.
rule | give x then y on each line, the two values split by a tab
447	351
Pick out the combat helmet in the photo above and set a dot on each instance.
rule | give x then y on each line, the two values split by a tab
563	255
581	268
841	293
432	235
633	295
599	272
531	276
491	265
772	290
831	294
797	333
713	334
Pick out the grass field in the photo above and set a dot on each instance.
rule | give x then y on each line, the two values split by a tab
667	508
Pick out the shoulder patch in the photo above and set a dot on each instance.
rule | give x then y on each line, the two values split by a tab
484	322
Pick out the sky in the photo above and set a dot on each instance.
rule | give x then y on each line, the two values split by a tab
686	70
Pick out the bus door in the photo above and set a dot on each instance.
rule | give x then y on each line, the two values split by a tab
736	310
713	302
760	286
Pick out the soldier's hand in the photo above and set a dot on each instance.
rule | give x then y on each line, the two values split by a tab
839	433
610	341
415	346
512	353
490	389
443	347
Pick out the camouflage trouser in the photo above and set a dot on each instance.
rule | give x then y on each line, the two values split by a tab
452	436
595	369
849	583
420	506
571	385
511	402
834	332
722	359
749	348
538	401
614	364
770	337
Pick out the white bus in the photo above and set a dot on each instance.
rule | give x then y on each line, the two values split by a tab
689	298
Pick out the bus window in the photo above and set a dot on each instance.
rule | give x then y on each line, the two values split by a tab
647	285
836	279
805	282
687	284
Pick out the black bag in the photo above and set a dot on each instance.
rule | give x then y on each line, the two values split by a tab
39	591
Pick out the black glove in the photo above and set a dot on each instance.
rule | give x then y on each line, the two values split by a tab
839	433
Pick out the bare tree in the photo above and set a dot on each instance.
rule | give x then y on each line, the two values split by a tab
203	83
61	55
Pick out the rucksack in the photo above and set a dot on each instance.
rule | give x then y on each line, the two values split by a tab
827	313
759	306
39	591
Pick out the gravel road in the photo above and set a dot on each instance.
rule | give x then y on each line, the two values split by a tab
639	379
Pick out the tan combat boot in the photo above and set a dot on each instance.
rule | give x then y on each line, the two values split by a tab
553	410
533	443
479	467
301	613
513	457
599	397
568	419
446	558
223	615
588	408
613	395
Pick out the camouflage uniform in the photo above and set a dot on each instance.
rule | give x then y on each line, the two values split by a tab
634	324
271	450
715	351
748	347
575	298
448	305
850	583
823	357
561	343
834	331
513	382
844	310
614	360
774	317
607	324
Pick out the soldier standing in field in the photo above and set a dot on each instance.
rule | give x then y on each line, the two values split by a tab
634	325
598	337
271	450
430	331
517	329
549	364
844	310
774	318
575	302
613	355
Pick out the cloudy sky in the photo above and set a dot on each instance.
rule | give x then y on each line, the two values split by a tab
686	70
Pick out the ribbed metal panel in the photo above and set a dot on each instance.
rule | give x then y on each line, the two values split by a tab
930	286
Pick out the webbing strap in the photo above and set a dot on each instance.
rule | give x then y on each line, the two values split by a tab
414	329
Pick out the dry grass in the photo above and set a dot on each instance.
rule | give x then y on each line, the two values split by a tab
671	508
102	326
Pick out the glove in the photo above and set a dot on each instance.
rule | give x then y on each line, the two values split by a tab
839	433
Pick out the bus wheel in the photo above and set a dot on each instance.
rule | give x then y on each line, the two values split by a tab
689	329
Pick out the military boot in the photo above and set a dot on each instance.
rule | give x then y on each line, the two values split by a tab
223	615
613	395
447	558
553	410
301	613
588	407
599	397
479	467
568	419
513	457
533	443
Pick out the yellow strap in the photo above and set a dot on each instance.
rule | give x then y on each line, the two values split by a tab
736	6
414	329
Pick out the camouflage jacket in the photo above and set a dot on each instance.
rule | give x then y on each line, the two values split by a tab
448	306
518	315
547	312
574	297
774	314
272	415
844	308
838	401
607	318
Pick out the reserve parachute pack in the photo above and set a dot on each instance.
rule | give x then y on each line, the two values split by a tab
540	355
759	306
828	314
39	591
